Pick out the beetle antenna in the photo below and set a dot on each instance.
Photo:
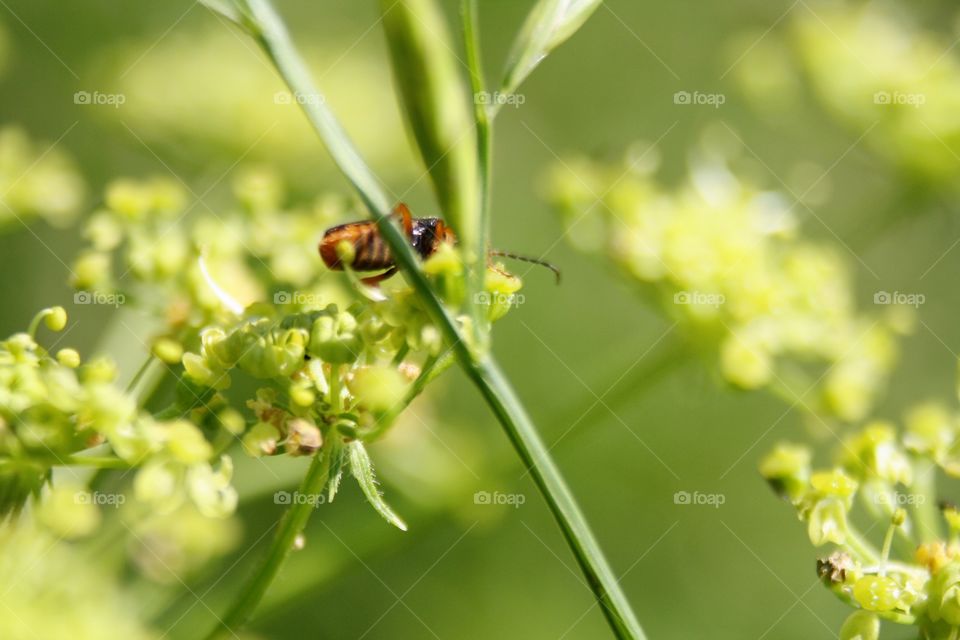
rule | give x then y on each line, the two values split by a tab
515	256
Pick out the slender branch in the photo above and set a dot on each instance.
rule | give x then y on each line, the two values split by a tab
100	462
523	434
267	27
291	525
482	116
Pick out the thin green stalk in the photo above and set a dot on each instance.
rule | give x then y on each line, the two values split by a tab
925	510
135	380
523	434
291	525
100	462
483	123
262	21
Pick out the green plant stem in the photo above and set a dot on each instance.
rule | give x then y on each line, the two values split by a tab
484	127
513	417
925	511
262	21
135	380
100	462
868	554
291	525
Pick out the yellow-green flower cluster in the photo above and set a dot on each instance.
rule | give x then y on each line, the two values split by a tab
875	69
36	181
56	590
883	481
245	294
725	260
147	240
53	410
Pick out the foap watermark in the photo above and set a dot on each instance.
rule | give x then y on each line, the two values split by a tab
698	498
699	298
715	100
899	297
489	298
915	100
899	499
501	99
99	297
295	497
297	297
98	98
100	499
499	498
297	97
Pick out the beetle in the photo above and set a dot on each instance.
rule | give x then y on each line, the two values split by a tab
371	252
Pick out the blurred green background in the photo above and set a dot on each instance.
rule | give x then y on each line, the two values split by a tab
199	103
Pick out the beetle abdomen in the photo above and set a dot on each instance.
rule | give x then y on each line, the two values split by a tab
370	250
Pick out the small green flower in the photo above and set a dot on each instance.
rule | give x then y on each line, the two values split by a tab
861	625
787	469
827	522
379	388
875	451
261	440
335	337
877	593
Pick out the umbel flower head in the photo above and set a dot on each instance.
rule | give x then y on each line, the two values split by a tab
53	407
883	480
246	296
725	260
36	182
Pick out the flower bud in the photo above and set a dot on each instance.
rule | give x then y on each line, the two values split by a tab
837	568
92	270
302	396
303	438
745	362
828	522
157	484
861	625
877	593
186	442
210	490
833	483
445	269
378	388
500	293
931	430
167	350
335	338
787	469
944	594
55	318
261	440
232	421
68	358
129	198
99	370
874	451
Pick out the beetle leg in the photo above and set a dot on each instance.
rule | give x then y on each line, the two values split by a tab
406	218
373	281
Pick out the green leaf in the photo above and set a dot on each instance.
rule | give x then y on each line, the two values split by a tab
362	469
550	24
337	463
434	98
